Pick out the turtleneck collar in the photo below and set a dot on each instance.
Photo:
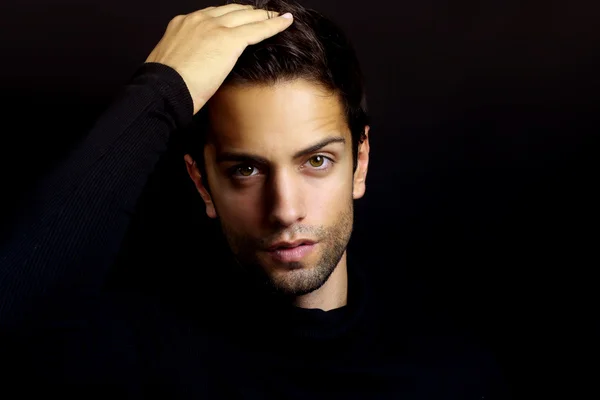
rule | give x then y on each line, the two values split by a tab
267	313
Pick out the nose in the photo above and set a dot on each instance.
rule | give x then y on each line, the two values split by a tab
287	199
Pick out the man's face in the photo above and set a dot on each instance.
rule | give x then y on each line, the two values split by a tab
279	166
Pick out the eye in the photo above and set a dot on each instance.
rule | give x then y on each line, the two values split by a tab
244	170
319	160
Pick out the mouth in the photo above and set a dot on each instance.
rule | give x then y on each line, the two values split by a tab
289	252
290	245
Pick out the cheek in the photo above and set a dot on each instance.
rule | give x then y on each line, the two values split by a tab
327	201
241	208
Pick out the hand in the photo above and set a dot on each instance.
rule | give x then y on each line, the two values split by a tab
204	46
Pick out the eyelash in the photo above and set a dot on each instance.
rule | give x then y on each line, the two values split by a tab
233	170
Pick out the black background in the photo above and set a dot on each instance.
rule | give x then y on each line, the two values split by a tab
481	187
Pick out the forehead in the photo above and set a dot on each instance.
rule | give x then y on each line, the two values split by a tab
258	116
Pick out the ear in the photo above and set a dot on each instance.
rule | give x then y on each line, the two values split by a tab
360	175
194	172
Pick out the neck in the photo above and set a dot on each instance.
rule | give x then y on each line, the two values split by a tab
333	294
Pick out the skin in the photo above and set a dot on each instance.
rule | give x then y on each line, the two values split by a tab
284	197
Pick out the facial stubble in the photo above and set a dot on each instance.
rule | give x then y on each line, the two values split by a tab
296	278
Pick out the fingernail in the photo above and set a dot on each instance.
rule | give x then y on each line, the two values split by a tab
287	15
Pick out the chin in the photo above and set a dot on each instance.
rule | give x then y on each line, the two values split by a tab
299	280
295	278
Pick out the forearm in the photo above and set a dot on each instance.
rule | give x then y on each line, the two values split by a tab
74	228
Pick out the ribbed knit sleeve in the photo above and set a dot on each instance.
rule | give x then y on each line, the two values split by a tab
70	235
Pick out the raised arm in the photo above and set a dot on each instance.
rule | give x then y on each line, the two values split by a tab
74	228
70	235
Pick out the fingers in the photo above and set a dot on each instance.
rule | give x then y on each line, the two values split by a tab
242	17
255	32
206	9
222	10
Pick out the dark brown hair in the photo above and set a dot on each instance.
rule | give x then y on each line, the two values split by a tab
312	48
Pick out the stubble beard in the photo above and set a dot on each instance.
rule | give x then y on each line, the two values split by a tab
297	279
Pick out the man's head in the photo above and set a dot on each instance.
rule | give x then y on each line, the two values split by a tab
281	151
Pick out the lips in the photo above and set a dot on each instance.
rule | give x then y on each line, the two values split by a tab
292	254
289	245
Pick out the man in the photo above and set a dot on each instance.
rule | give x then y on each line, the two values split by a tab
283	155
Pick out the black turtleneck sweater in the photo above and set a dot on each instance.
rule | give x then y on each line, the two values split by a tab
62	333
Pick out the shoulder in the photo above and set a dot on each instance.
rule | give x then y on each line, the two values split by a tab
440	356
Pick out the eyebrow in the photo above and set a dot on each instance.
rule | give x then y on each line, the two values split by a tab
245	157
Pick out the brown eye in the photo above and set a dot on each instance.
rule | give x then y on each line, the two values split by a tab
317	161
246	170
